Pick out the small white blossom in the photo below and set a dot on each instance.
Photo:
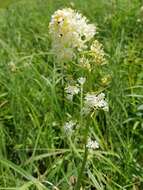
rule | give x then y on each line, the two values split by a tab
92	144
93	101
69	126
71	91
81	80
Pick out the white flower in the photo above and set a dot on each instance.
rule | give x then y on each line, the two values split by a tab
71	91
81	80
69	126
69	30
93	101
92	144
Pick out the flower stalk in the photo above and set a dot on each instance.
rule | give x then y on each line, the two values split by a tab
82	169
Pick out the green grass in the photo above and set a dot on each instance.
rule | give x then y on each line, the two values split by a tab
35	153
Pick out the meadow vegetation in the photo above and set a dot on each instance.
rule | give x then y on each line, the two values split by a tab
43	134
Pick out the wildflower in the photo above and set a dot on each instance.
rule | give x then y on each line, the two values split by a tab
84	63
92	144
81	80
95	102
69	30
97	53
65	54
71	91
69	126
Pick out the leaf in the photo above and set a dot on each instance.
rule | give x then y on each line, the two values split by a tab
140	107
135	95
23	173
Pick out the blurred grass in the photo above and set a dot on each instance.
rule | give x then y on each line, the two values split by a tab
5	3
29	141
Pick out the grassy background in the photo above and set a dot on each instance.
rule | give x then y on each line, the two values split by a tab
34	151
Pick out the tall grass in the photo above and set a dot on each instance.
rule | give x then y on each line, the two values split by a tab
35	153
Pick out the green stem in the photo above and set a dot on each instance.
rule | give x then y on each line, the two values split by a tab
63	87
81	172
81	103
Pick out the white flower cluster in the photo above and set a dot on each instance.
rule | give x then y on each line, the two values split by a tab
95	102
71	91
69	126
69	30
92	144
